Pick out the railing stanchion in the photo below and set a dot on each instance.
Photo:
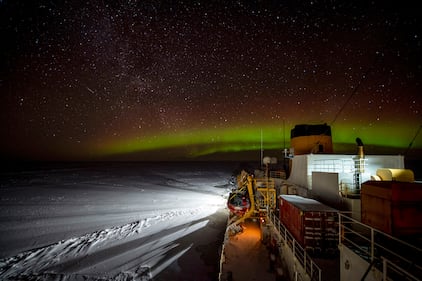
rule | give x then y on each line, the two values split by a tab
372	245
384	269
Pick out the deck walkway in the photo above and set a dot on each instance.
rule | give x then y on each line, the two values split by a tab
246	258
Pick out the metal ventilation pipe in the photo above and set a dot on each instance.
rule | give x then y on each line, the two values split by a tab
359	164
360	148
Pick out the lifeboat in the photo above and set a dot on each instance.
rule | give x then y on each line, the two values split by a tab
238	203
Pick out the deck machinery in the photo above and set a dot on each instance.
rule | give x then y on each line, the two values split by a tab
253	198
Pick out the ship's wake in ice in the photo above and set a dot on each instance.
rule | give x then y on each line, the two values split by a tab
176	225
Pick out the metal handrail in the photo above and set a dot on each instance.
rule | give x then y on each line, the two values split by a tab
387	266
311	268
353	232
278	174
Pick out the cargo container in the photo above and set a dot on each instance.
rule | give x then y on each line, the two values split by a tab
392	207
312	224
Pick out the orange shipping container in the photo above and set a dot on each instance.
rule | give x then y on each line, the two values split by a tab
311	223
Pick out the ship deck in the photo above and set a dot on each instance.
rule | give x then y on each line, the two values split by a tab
246	257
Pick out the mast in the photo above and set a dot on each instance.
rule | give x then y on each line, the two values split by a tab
262	149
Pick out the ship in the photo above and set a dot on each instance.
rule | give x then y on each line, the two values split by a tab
324	216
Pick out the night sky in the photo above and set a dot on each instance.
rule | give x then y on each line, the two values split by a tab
145	80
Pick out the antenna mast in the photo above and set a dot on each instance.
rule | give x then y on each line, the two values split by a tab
262	149
284	134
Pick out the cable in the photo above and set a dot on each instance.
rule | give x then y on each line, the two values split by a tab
411	143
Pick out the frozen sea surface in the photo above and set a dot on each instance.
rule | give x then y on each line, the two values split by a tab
113	221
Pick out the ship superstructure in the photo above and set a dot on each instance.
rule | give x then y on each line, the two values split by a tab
359	189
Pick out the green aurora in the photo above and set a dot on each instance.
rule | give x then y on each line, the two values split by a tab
210	141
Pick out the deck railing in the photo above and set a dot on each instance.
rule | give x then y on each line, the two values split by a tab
395	259
310	267
278	174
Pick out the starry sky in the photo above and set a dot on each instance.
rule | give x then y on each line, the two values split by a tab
145	80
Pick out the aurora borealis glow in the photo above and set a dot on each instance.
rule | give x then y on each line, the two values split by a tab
182	80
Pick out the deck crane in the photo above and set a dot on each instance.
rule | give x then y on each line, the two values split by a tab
253	198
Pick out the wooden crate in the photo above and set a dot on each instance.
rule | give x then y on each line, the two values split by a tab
392	207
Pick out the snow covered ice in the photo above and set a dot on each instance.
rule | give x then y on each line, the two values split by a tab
113	221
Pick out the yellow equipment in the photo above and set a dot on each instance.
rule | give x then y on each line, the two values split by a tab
261	195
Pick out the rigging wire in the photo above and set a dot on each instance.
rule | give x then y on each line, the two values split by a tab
411	143
378	54
355	90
